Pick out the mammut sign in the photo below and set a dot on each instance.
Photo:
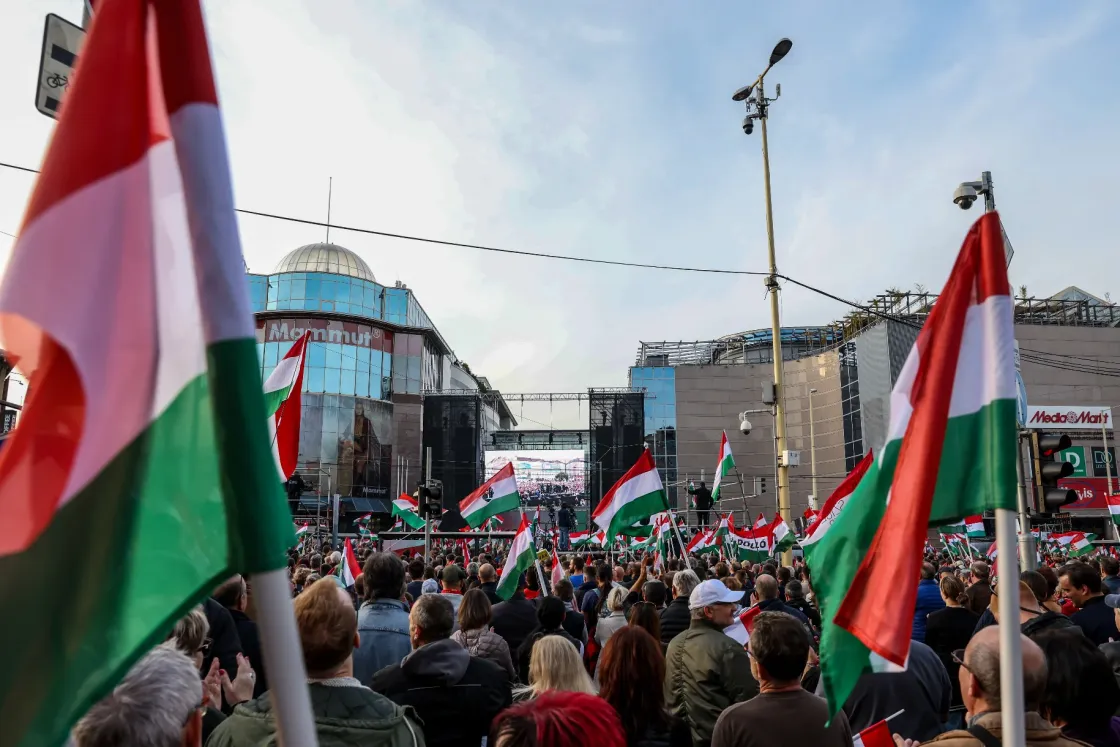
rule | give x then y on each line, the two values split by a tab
324	330
1065	417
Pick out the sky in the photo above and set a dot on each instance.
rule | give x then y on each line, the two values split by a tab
607	130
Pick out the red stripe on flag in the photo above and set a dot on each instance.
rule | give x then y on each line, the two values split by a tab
288	418
895	557
184	55
503	473
877	735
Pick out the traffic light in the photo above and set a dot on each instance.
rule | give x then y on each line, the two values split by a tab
429	496
1048	469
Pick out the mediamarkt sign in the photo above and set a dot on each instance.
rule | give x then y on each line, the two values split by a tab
1069	417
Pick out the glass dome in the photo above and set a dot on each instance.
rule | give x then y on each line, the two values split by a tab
326	258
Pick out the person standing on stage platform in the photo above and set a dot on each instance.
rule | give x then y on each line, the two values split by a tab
703	498
565	522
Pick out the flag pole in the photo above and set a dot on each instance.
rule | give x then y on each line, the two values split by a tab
1013	711
287	677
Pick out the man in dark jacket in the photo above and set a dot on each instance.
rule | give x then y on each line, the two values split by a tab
1110	575
515	619
795	598
1081	584
703	498
225	644
489	578
344	711
766	592
234	596
707	670
675	618
550	614
929	600
455	694
573	620
979	591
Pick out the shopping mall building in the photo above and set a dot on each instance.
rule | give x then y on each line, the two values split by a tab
372	355
838	379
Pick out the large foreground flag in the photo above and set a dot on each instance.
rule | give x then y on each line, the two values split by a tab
954	399
282	403
407	510
143	448
494	496
522	554
638	495
724	467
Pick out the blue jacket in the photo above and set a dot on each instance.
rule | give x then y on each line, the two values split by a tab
383	637
929	600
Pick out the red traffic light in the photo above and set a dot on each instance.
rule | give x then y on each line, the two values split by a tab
1050	444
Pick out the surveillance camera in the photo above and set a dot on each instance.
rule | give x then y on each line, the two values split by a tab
748	125
745	427
964	196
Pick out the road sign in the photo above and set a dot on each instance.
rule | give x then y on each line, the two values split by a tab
1008	252
62	41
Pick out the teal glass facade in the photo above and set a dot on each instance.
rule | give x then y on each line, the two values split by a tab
660	385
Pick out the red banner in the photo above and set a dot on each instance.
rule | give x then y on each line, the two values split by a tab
1090	491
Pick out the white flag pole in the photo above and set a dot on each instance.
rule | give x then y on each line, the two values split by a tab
287	677
1013	710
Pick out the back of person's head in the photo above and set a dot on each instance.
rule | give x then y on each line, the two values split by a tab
766	587
555	665
794	590
770	569
156	704
929	572
416	569
631	678
475	610
779	646
1081	690
980	571
316	562
732	583
646	616
1095	565
563	589
189	634
616	599
431	619
722	570
604	574
1051	577
1037	583
232	593
1081	576
558	719
982	663
328	627
472	570
684	582
1109	565
784	575
953	588
654	592
384	576
532	581
579	564
550	612
486	573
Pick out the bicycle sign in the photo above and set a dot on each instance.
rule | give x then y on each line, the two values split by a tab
62	41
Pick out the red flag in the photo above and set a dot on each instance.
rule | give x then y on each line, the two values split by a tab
876	735
835	501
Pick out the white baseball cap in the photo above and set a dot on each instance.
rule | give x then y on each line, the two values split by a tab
713	592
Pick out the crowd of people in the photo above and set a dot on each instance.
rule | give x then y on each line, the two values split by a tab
618	652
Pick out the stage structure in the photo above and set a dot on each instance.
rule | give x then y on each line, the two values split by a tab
552	467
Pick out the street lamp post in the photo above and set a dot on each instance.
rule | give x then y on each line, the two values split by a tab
755	97
813	452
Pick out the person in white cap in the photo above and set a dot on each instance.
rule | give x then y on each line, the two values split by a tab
706	670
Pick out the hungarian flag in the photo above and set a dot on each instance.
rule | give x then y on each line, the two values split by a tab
722	528
751	545
760	522
835	504
142	448
703	542
348	569
876	735
465	546
638	495
740	630
580	538
1080	544
1114	507
282	402
954	399
781	536
723	469
407	510
974	527
520	559
957	527
494	496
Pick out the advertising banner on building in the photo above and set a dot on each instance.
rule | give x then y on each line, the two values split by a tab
1075	455
1100	466
1069	417
1090	492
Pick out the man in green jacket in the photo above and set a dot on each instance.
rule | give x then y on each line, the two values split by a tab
347	714
705	669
